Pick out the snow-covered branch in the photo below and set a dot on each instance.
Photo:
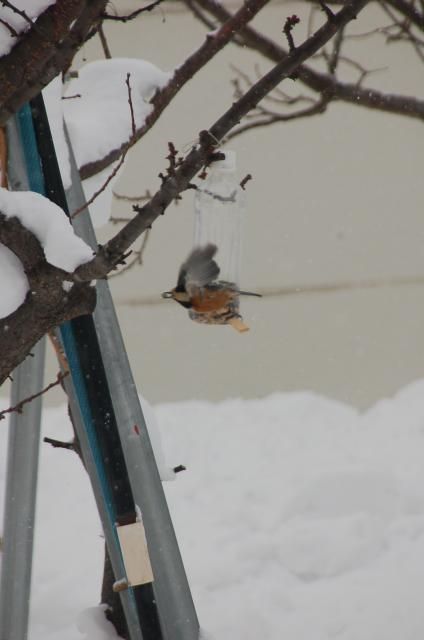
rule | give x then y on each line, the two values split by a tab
214	42
40	252
43	49
47	306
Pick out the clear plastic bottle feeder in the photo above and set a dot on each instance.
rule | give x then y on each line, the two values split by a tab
220	206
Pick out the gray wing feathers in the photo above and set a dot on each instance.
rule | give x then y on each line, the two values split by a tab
200	268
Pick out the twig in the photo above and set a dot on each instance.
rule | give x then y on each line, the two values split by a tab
334	58
121	196
209	24
173	159
59	444
179	468
32	23
278	96
289	25
404	28
263	116
326	9
18	408
370	33
118	220
363	73
11	30
245	181
138	256
19	12
104	42
133	14
105	184
311	19
130	102
272	118
408	10
121	161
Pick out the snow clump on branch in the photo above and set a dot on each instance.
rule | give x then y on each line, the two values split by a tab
50	225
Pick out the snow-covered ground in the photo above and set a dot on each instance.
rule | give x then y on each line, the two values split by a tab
298	518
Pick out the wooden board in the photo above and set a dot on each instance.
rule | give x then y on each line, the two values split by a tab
135	554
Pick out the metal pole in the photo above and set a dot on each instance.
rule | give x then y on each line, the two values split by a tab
23	453
21	485
79	409
176	609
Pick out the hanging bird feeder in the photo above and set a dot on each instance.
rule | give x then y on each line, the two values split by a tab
220	207
208	280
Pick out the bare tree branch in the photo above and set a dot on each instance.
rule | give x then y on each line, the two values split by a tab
211	46
262	115
334	58
272	118
44	50
180	179
59	444
202	17
11	30
408	10
37	315
401	30
104	43
46	305
323	83
328	12
18	408
19	12
131	142
120	196
133	14
289	25
130	103
137	258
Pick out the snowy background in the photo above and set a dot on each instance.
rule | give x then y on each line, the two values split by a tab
298	517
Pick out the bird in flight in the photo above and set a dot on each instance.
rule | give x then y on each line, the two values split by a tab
208	300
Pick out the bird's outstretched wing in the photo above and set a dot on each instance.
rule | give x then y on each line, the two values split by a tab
199	269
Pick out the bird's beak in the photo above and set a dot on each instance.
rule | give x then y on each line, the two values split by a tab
167	294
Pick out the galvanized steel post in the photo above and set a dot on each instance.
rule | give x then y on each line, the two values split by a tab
176	609
21	485
22	460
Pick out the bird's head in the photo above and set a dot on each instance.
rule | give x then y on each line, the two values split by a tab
179	296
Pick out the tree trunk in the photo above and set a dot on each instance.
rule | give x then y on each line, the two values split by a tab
114	611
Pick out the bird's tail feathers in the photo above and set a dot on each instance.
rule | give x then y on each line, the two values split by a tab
250	293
